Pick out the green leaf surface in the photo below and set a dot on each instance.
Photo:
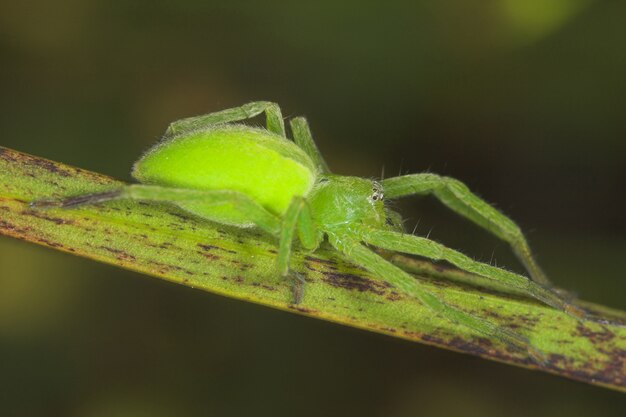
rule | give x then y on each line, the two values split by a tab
165	242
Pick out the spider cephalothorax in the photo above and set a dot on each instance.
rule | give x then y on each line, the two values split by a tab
340	201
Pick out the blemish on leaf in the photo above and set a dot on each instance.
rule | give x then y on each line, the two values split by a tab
50	243
212	247
354	283
264	286
209	256
48	166
13	229
604	335
301	309
41	215
119	254
319	260
393	296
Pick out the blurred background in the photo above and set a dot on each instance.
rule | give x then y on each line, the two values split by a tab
523	100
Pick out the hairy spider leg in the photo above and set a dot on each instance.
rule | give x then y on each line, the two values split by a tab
239	202
297	216
304	139
274	118
274	123
416	245
378	266
460	199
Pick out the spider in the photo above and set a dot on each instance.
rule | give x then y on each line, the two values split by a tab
235	174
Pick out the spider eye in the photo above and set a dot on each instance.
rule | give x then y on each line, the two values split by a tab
377	192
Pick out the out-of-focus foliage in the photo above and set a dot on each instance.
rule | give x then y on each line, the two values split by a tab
524	101
530	20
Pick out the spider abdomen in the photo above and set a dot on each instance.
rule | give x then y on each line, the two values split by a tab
264	166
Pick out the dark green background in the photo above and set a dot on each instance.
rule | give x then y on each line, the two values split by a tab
524	100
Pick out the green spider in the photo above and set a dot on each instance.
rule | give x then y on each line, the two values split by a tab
244	176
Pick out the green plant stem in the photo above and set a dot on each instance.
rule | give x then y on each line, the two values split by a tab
164	242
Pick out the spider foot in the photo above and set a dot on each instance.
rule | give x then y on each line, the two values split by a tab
76	201
45	203
576	312
602	320
297	287
567	295
537	356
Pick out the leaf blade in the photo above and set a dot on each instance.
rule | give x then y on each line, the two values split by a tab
162	241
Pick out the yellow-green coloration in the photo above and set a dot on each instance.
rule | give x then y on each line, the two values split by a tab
241	176
255	162
166	243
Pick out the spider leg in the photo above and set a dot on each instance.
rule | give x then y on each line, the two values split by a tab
297	216
377	265
238	202
421	246
274	118
460	199
304	139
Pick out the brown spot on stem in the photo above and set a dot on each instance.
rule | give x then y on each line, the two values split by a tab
320	261
209	256
302	309
354	283
120	254
602	336
212	247
41	215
